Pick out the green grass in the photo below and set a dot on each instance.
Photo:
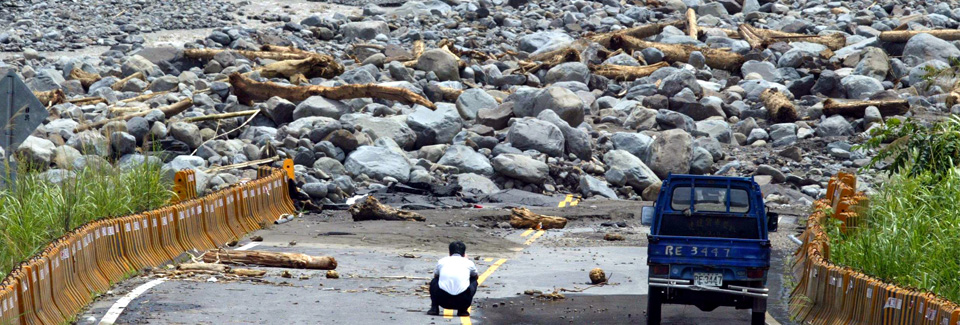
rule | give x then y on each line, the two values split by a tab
912	234
35	211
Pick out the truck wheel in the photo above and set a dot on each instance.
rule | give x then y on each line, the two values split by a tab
759	312
653	306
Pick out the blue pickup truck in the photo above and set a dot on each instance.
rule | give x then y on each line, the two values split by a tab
708	245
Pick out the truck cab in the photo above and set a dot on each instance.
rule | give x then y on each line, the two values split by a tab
708	245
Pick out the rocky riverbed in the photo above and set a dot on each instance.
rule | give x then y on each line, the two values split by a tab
518	120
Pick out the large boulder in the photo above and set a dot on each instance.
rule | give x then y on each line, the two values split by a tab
562	101
433	127
279	110
37	151
440	62
637	144
377	163
466	159
545	41
568	71
834	126
471	101
576	141
591	186
534	134
320	106
874	63
476	184
926	47
136	64
671	152
623	168
394	127
521	167
364	30
860	87
188	133
716	129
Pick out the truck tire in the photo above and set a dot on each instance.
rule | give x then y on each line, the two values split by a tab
759	312
653	306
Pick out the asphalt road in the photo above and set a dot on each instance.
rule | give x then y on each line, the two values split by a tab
384	268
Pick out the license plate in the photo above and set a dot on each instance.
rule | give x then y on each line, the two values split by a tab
708	279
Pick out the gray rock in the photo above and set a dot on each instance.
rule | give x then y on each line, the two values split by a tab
46	80
668	119
716	129
476	184
279	110
697	60
496	118
138	127
782	130
560	100
466	160
542	42
637	144
433	127
750	6
329	166
925	47
765	69
874	63
521	167
37	151
315	190
641	119
834	126
136	64
771	171
872	115
378	163
860	87
576	141
440	62
624	168
319	106
715	9
652	55
756	135
471	101
122	143
364	30
568	71
622	59
671	152
394	128
165	83
90	143
542	136
187	133
674	83
592	186
702	161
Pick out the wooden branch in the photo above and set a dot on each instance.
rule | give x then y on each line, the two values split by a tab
241	165
248	272
523	218
203	267
123	82
625	72
887	107
263	258
418	48
249	90
220	116
87	101
371	209
900	36
748	33
779	107
169	111
51	97
717	59
833	41
692	29
636	32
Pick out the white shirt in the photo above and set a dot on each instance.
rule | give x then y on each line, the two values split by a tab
455	272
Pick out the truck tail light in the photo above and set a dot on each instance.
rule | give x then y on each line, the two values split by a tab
755	273
659	269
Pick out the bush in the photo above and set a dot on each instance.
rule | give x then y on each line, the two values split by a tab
41	208
917	149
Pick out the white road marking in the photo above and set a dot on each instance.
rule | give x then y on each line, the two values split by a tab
120	305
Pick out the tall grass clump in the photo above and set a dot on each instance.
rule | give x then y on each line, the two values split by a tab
40	207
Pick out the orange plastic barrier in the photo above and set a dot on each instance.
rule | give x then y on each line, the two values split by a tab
830	294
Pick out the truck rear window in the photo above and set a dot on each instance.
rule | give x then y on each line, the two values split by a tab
710	199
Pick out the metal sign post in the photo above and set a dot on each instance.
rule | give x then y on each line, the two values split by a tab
20	114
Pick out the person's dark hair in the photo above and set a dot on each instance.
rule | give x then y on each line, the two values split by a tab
458	247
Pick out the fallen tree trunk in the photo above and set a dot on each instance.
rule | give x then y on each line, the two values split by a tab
249	90
779	107
220	116
168	111
86	78
208	54
51	97
524	218
625	72
717	59
371	209
288	260
900	36
833	41
887	107
203	267
311	67
123	82
87	101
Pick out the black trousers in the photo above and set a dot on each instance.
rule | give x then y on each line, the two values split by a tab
462	301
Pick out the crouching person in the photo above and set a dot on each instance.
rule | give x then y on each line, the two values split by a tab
454	282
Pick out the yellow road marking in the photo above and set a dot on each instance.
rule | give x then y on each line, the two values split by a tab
448	313
488	259
490	270
534	237
569	201
526	233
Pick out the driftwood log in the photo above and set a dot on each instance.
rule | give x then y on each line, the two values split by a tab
248	272
953	98
249	90
410	62
524	218
625	72
749	34
550	59
371	209
168	111
324	65
716	58
887	107
834	41
692	27
272	259
50	97
637	32
86	78
213	267
123	82
779	107
900	36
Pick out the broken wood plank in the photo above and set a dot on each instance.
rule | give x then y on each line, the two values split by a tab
371	209
523	218
271	259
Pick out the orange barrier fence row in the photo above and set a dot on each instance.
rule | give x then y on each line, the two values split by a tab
56	284
831	294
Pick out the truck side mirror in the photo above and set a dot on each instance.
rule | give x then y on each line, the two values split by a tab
646	216
773	221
